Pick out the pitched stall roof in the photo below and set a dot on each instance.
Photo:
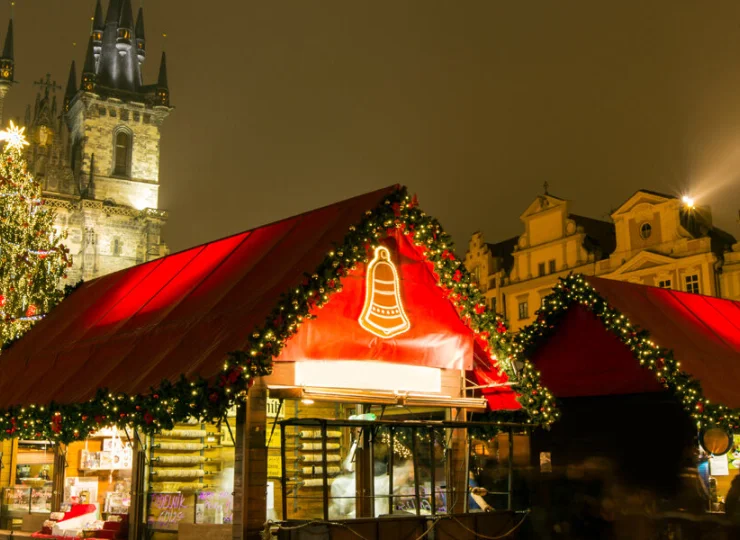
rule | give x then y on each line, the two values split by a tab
177	315
581	358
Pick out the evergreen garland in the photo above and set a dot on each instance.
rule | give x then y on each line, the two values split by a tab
659	360
206	400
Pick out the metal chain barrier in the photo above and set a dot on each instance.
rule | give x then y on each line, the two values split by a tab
268	526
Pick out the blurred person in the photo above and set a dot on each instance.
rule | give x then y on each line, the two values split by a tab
732	501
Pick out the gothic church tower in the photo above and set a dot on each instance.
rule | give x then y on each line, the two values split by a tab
98	157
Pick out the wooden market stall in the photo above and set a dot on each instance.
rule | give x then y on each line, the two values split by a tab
355	312
641	374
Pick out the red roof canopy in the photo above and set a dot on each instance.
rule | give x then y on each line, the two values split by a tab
182	314
582	358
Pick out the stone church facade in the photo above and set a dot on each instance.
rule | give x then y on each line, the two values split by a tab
97	152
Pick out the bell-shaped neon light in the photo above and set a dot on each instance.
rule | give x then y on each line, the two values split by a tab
383	314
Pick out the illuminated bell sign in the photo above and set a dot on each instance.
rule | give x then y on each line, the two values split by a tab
383	314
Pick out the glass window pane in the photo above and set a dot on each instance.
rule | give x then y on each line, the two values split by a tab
191	475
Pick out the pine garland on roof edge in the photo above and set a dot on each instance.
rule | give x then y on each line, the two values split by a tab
209	400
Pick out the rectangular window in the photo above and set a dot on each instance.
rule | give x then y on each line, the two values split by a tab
191	474
552	266
664	284
523	310
692	283
493	305
541	269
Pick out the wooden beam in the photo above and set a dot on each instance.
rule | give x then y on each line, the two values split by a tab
250	465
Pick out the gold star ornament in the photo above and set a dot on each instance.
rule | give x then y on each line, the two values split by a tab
14	137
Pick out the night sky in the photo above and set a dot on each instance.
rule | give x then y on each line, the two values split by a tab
284	106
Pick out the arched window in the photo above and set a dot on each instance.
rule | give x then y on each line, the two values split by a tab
122	154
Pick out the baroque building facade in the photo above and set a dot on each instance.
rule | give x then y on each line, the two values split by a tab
97	152
653	239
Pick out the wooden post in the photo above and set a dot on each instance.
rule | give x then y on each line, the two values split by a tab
136	510
250	465
60	463
457	466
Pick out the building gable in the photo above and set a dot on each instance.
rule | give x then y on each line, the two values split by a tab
643	261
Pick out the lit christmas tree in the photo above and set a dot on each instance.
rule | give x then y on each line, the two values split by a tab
32	260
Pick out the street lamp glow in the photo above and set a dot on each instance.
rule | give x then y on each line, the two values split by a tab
688	201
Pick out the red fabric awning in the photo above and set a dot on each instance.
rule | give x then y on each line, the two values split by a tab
583	358
182	314
436	337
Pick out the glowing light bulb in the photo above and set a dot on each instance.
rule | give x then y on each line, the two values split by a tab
688	201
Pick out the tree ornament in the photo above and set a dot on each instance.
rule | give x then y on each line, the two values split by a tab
38	257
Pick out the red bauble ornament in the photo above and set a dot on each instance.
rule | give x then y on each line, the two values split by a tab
31	311
213	398
457	276
2	300
500	327
148	417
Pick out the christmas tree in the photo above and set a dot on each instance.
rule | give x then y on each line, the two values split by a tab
32	260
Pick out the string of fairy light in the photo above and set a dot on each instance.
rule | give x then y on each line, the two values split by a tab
209	400
32	261
659	360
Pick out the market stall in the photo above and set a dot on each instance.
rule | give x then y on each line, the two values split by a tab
646	380
359	308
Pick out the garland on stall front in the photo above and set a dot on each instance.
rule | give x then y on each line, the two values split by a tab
659	360
206	400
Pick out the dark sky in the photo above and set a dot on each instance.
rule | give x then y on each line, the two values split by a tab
283	106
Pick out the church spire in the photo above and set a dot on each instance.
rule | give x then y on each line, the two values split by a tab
8	48
88	70
71	86
163	91
7	62
140	39
118	68
114	12
98	24
97	30
162	79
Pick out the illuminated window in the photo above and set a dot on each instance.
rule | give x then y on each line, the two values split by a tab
523	310
122	153
646	230
552	266
692	283
664	284
191	475
475	274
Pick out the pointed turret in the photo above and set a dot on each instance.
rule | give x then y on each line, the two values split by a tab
140	39
114	12
118	68
8	48
163	91
7	62
125	28
88	70
97	30
71	90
